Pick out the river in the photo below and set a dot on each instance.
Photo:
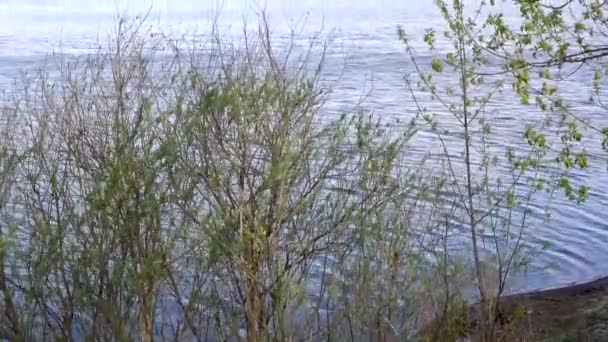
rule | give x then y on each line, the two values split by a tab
373	64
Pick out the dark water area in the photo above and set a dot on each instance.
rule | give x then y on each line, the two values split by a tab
365	59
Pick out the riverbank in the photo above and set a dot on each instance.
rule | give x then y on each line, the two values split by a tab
572	313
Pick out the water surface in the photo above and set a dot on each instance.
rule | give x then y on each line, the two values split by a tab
369	61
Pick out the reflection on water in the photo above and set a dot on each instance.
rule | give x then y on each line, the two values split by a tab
375	64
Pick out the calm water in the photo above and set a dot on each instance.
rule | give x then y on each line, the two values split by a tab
369	61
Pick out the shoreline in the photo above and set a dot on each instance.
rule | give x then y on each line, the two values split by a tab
597	284
577	312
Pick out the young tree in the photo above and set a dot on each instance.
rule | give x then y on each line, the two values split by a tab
495	182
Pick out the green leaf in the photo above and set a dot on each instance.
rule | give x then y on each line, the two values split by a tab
451	58
582	161
605	138
437	65
429	38
510	199
583	193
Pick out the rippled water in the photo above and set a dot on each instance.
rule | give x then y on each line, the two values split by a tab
365	59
